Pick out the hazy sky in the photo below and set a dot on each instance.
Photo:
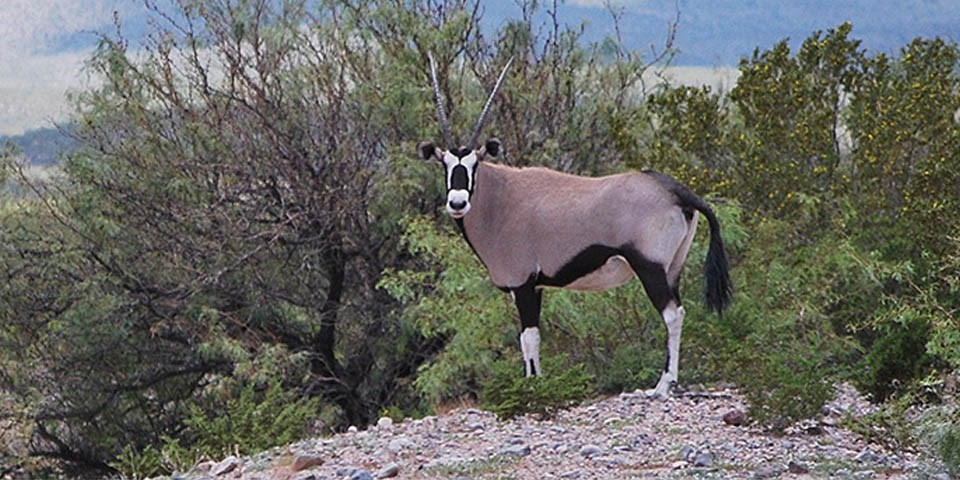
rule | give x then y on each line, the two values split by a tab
43	42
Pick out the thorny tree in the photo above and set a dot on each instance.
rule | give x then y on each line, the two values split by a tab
237	193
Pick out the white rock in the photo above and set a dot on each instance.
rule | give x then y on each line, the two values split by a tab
225	466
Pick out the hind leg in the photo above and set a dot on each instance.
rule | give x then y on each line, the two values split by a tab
673	319
666	299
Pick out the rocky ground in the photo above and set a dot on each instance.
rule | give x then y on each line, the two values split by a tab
696	435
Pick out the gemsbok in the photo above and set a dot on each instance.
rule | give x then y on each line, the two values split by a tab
534	228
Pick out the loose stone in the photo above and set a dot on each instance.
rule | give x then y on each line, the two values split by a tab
797	469
305	461
226	466
590	450
391	470
515	451
703	460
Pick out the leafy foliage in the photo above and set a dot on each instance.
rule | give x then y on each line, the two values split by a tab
508	395
242	205
245	424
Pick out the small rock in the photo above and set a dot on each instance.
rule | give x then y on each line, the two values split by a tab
703	460
385	422
590	450
391	470
815	430
352	429
225	466
768	472
611	421
307	475
305	461
402	443
735	418
359	474
688	453
515	451
797	469
867	456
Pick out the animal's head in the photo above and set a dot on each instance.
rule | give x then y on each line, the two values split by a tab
460	161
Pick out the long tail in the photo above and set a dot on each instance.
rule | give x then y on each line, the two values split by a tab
718	288
717	270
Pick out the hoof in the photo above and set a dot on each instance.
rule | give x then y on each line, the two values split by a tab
657	394
662	391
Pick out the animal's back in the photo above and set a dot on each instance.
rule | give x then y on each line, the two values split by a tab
558	216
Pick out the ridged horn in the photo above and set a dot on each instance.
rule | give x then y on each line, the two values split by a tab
486	107
441	112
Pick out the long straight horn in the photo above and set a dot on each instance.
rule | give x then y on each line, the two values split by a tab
441	113
486	107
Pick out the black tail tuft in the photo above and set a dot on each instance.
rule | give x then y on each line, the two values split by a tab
718	285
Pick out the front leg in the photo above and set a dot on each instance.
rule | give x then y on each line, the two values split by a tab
528	299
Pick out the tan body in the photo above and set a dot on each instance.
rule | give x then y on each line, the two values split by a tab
535	220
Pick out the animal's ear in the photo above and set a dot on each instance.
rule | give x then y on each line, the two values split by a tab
428	150
492	147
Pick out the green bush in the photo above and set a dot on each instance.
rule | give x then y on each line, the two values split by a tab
251	422
937	429
950	449
784	386
896	359
508	393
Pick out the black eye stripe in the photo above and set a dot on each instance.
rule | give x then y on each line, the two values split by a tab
458	178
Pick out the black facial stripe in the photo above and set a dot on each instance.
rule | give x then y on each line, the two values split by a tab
459	179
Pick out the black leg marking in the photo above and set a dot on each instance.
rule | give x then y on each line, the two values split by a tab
666	360
654	279
528	299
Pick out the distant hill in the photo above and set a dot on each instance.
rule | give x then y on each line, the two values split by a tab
721	32
44	146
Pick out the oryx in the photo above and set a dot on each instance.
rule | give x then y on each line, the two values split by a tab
535	228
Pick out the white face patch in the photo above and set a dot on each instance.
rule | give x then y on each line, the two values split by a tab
459	174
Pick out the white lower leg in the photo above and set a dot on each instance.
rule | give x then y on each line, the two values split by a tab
673	318
530	346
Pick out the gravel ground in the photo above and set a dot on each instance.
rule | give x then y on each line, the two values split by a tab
625	436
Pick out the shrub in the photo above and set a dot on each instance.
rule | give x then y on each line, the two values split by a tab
896	358
251	422
950	449
508	394
785	386
938	429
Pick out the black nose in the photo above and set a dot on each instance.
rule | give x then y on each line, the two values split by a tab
458	204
